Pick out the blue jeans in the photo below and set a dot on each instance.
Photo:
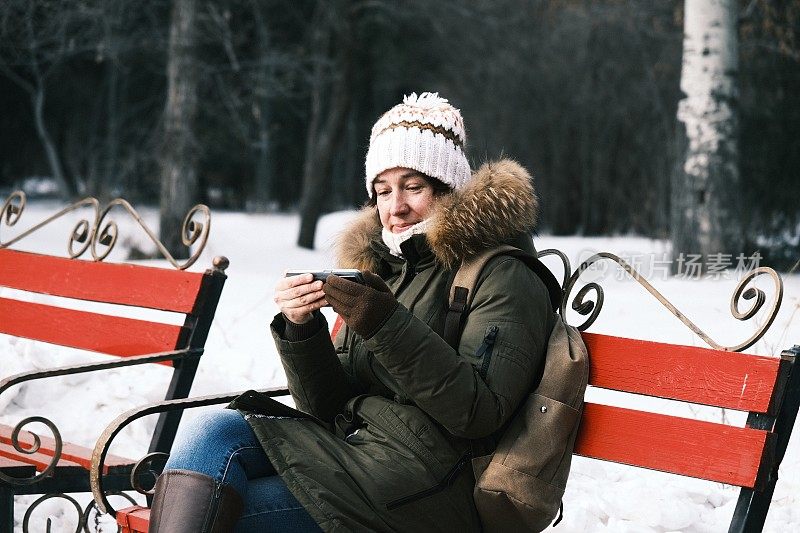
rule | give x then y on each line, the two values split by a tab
222	445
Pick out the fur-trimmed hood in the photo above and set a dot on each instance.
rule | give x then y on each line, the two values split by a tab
498	204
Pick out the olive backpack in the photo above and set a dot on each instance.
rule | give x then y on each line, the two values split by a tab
519	487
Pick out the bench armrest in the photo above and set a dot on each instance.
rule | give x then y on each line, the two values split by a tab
16	379
104	443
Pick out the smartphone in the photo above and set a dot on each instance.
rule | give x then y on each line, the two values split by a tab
321	275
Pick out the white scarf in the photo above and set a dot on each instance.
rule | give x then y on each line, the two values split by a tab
394	240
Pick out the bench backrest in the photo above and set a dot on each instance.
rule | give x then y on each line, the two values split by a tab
193	295
748	457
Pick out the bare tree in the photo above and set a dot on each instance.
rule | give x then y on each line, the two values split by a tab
257	60
264	169
180	154
705	214
112	22
331	98
38	38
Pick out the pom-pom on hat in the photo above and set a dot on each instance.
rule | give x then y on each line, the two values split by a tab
424	133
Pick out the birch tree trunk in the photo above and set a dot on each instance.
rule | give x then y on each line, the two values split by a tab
179	155
705	209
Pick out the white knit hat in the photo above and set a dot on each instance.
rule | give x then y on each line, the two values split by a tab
424	133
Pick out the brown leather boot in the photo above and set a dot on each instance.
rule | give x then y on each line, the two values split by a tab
189	502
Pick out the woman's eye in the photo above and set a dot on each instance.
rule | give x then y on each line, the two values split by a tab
382	193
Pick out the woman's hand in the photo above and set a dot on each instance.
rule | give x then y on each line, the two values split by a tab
364	307
298	297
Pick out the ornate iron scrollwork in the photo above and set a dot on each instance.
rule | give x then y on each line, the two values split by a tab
27	518
564	261
14	380
585	307
144	467
101	238
192	231
82	233
32	449
83	514
92	506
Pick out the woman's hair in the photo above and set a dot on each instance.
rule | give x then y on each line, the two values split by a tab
439	188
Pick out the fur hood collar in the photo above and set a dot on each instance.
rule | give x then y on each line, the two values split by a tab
497	204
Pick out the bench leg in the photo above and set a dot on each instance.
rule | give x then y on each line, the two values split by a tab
751	510
6	511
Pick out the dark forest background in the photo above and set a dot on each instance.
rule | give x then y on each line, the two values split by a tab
582	92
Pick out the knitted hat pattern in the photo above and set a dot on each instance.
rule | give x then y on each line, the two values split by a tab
424	133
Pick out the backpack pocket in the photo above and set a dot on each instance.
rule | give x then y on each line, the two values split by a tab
524	480
538	442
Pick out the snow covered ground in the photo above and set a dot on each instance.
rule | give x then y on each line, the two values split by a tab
240	355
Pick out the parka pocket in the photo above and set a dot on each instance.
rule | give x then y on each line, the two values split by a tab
446	482
407	430
484	352
506	340
411	439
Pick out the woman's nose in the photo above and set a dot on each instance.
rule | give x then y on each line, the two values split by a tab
399	204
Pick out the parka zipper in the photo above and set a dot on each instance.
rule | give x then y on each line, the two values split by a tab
448	481
485	349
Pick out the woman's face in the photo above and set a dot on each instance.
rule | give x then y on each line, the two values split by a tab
404	198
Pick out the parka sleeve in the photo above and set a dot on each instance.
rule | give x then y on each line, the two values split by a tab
317	380
473	393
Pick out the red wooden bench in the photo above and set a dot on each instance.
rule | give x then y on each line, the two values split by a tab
768	388
57	466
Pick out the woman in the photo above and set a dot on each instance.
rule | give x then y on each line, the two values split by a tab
394	414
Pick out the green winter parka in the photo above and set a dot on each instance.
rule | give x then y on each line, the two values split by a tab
395	419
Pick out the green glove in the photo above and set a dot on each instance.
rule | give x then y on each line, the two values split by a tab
364	307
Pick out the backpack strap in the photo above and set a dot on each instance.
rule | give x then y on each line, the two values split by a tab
462	288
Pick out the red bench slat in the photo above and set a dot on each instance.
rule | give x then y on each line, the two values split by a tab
70	452
135	519
89	331
699	375
154	288
39	460
695	448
